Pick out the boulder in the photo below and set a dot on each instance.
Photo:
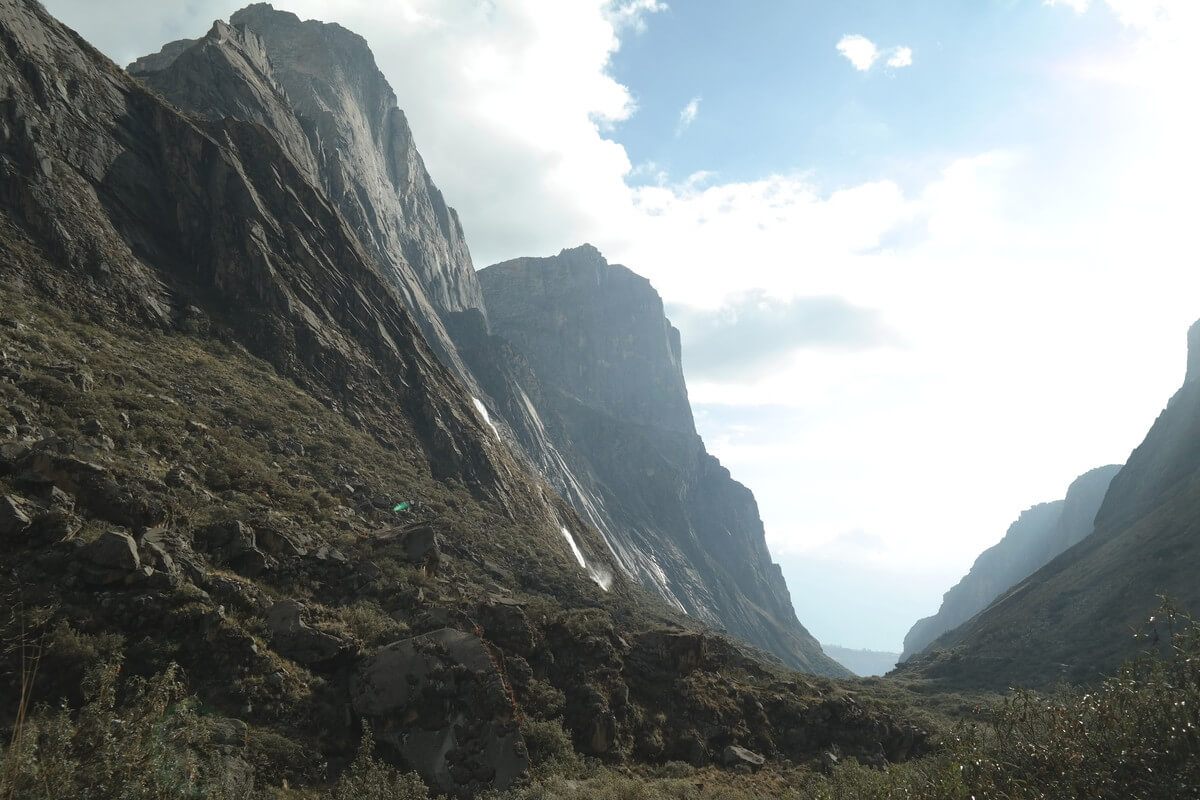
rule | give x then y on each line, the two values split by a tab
420	544
292	638
110	559
13	520
11	455
441	701
235	544
733	756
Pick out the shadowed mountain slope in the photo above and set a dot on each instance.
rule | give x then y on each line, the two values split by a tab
1076	617
1038	535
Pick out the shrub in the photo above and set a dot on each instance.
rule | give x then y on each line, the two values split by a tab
368	778
148	746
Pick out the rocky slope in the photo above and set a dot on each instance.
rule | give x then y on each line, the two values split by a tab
212	400
1075	617
1038	535
610	366
315	87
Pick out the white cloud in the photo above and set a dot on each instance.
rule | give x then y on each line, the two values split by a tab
901	57
688	115
633	13
1079	6
860	51
863	53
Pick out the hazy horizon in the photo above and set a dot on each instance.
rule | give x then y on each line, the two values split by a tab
928	262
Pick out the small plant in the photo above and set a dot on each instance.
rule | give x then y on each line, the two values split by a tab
368	778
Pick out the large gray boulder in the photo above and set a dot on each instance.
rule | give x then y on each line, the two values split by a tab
292	638
442	702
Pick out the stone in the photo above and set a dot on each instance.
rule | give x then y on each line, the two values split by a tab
196	427
158	542
115	550
441	701
733	756
292	638
112	558
12	454
13	519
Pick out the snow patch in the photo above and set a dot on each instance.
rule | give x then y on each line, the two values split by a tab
479	406
574	547
601	576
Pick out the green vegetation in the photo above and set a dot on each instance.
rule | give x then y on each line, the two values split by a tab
1136	735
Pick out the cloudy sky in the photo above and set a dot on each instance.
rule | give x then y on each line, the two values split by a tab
931	260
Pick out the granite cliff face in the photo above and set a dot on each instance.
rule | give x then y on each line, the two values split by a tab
610	368
1073	619
1038	535
316	89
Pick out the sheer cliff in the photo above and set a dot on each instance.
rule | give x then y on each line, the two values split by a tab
1075	617
1038	535
315	86
610	366
316	89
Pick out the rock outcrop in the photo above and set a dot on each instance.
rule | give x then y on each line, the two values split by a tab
442	701
1038	535
1074	618
610	368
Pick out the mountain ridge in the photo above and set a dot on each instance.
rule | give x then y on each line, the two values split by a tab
269	66
1040	533
1077	616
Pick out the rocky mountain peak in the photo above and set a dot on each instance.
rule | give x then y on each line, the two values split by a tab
616	350
317	88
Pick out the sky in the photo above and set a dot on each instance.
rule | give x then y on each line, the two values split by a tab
930	260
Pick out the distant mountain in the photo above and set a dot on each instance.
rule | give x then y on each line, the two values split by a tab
1076	617
1038	535
864	663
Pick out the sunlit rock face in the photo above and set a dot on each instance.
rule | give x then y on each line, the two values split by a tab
315	86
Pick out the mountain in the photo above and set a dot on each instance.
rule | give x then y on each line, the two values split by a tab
227	448
1076	617
610	366
865	663
316	89
1038	535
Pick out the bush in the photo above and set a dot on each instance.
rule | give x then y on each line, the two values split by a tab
149	746
368	778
